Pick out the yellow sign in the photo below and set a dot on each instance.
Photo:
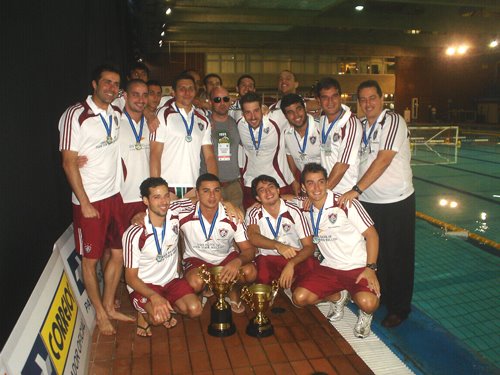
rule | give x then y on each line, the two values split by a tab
59	325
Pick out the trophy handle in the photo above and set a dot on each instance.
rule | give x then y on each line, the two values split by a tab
274	291
205	275
245	296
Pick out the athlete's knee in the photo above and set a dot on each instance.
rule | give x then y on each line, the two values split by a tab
368	302
301	297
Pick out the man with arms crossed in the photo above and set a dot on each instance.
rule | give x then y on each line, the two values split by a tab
209	238
340	137
348	243
385	188
280	232
91	128
151	262
177	144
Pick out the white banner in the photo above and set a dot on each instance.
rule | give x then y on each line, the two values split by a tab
51	335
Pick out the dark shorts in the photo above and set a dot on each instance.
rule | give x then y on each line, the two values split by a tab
94	235
172	291
189	263
130	209
325	281
269	268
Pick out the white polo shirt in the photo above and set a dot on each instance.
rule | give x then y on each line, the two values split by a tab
220	243
135	158
276	114
294	143
271	156
180	160
140	251
342	146
82	130
388	133
292	229
235	111
340	231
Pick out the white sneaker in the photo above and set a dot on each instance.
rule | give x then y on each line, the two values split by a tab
337	308
362	327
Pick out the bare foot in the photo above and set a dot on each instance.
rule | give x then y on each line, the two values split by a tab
105	327
170	322
113	314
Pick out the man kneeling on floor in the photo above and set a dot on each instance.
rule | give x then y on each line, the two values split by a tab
151	262
210	235
348	242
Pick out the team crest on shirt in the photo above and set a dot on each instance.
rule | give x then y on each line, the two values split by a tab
336	137
332	217
375	134
312	139
286	227
223	232
200	126
144	300
87	248
175	229
266	130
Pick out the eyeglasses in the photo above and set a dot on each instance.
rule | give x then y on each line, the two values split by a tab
218	99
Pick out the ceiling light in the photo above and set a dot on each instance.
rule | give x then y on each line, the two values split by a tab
162	33
160	43
168	11
359	8
453	204
450	51
462	49
443	202
413	31
493	43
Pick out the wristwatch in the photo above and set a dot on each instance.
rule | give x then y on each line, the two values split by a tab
357	189
372	266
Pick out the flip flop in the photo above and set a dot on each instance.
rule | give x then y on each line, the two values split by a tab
236	307
171	322
146	331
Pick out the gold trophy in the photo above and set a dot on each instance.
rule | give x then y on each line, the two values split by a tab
221	318
259	297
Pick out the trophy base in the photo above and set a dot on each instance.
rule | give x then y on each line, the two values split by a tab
221	323
256	330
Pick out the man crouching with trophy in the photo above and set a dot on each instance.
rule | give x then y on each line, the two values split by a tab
209	236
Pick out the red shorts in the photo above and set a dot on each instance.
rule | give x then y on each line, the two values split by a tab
249	199
326	281
130	209
172	291
94	235
190	263
269	268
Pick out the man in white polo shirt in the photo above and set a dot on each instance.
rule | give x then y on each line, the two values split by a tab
91	128
177	144
287	84
246	83
348	243
386	190
264	148
302	138
340	137
151	255
280	232
210	238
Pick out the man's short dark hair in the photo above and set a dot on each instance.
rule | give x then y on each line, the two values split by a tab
312	168
211	75
243	77
206	177
98	70
263	178
140	66
369	83
149	183
326	83
250	97
181	77
153	82
133	82
289	71
290	99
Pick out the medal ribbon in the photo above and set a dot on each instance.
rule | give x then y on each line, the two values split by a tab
250	129
141	126
212	226
365	138
304	142
189	128
106	126
315	224
324	136
158	247
276	231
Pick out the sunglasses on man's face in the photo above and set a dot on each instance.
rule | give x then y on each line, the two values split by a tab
218	99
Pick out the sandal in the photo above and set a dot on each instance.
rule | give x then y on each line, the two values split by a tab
236	307
142	331
170	323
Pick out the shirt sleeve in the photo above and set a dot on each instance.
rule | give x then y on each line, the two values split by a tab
359	217
241	233
130	243
394	132
160	134
351	141
69	130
